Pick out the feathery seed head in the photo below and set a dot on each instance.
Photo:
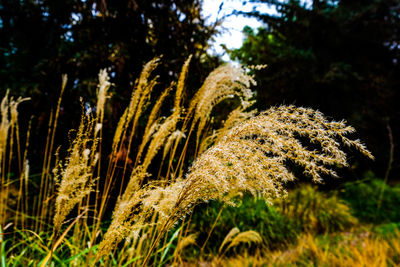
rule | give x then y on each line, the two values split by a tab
224	82
252	158
76	174
250	154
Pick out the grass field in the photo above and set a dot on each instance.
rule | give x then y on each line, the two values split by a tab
183	186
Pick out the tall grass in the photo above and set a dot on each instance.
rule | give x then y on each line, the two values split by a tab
250	152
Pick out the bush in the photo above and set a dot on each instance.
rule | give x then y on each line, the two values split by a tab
315	211
387	230
372	200
251	214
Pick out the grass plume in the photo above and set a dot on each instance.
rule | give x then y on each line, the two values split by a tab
223	83
76	173
252	158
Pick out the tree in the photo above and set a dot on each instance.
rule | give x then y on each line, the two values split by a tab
338	56
41	40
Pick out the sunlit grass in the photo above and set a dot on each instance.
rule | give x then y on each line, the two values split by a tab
66	223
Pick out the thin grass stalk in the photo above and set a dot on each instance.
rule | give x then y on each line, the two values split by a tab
141	105
150	123
388	169
177	106
104	196
185	233
26	210
79	236
20	163
163	245
56	241
4	131
212	228
10	155
103	201
155	242
182	155
13	105
9	120
202	139
176	252
47	188
22	204
102	91
98	121
109	182
183	152
153	230
46	153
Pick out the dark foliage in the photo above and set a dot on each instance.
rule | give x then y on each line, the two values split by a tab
40	40
341	57
372	200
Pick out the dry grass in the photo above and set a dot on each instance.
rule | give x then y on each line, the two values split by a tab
250	158
353	250
235	237
249	153
75	175
9	133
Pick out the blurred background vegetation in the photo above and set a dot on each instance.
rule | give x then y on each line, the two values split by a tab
341	57
40	40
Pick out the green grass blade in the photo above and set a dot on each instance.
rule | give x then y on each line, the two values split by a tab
173	237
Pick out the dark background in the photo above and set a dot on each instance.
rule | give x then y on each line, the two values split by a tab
341	57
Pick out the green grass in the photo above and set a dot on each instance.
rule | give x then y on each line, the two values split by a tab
373	201
250	214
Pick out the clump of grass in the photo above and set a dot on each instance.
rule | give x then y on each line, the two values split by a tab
304	210
387	229
250	158
130	214
75	175
9	133
362	249
315	211
249	154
